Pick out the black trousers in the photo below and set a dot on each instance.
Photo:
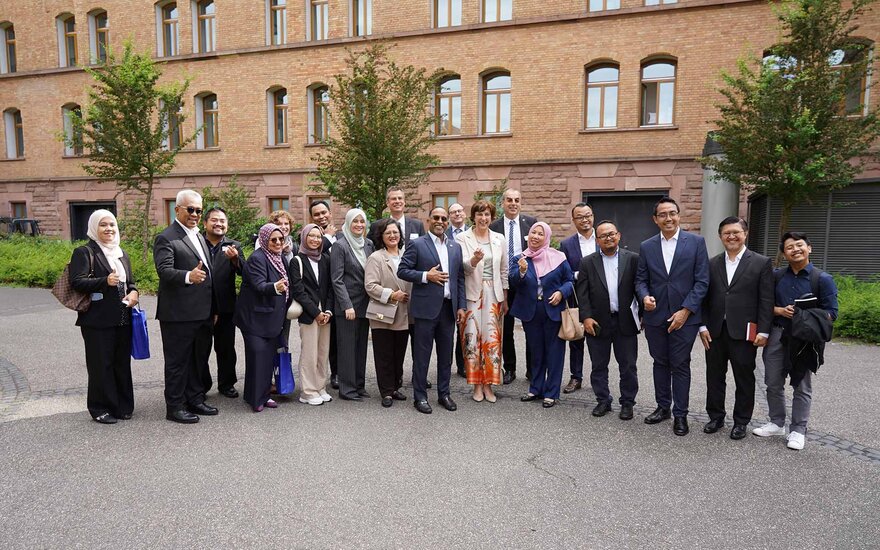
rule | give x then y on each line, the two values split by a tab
352	337
389	353
108	361
186	347
259	364
741	355
626	350
508	346
224	351
334	361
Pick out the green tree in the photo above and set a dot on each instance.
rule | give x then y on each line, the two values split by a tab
381	119
794	123
242	213
124	130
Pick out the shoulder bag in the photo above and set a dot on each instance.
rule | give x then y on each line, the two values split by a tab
572	329
66	294
296	309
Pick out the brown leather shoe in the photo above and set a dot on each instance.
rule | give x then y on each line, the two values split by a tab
573	385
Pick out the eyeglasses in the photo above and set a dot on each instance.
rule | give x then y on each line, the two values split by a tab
666	215
439	218
193	210
276	239
608	236
582	218
728	234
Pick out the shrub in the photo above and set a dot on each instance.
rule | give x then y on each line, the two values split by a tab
859	315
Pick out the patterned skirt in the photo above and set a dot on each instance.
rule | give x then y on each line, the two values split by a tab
481	338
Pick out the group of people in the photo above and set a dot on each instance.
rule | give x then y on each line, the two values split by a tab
403	286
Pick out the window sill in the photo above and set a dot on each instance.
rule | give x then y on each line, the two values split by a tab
282	146
633	129
13	159
474	136
320	144
72	156
205	150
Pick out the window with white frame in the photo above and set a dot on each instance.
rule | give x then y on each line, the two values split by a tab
447	13
447	106
497	10
276	26
602	5
14	130
277	102
319	113
318	21
602	87
65	26
7	51
361	17
167	29
496	103
73	139
658	93
99	36
208	119
204	26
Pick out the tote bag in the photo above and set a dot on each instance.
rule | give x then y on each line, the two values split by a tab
284	383
140	338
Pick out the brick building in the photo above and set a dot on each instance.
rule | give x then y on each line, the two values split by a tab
564	99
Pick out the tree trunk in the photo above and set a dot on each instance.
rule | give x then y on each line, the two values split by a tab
145	227
784	219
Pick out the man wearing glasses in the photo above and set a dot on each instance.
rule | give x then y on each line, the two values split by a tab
185	309
671	282
576	247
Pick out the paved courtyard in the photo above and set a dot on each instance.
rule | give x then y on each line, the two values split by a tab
355	475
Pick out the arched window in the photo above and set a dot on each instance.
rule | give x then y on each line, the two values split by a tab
496	103
99	36
361	17
658	93
67	49
167	29
204	26
277	101
318	20
276	29
447	106
856	94
602	87
497	10
208	118
73	144
319	113
447	13
7	51
174	118
14	133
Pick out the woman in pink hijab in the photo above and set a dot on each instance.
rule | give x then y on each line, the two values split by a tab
543	281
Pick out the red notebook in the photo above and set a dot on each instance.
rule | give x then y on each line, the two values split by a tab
751	331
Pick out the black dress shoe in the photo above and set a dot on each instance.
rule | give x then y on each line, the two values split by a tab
354	397
397	396
126	416
461	373
182	416
509	376
602	409
364	393
105	418
659	415
713	425
334	382
626	412
448	403
229	392
738	431
680	425
422	406
202	409
529	397
387	401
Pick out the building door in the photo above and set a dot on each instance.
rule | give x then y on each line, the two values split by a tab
631	212
79	217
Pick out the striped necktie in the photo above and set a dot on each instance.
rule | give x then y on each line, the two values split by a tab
510	241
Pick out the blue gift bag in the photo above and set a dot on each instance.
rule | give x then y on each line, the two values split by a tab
140	339
284	383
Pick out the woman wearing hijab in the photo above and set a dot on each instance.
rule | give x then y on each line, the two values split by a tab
102	269
312	289
347	260
260	313
543	281
383	285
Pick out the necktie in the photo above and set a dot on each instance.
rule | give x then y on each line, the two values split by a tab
510	241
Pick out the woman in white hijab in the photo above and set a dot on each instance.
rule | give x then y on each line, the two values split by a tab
103	270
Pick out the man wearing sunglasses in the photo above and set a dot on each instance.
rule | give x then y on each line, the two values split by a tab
185	309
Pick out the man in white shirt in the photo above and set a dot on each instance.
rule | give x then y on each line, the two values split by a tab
395	200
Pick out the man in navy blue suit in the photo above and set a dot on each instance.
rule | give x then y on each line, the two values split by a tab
433	263
576	247
671	281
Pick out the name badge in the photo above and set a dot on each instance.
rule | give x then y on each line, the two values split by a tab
413	236
97	296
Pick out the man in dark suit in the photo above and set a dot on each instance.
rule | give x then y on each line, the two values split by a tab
457	225
395	200
433	263
319	210
606	291
185	309
515	228
672	281
576	247
740	295
227	261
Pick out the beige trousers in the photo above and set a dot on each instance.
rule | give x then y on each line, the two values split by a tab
314	358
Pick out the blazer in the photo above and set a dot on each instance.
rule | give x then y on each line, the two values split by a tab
106	309
347	278
314	295
414	226
380	280
224	273
571	247
592	291
686	284
426	301
473	276
526	300
174	255
748	299
328	246
465	227
261	311
525	224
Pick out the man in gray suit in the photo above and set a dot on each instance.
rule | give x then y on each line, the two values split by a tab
606	291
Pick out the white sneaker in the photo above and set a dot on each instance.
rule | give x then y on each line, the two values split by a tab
769	429
326	396
795	441
312	400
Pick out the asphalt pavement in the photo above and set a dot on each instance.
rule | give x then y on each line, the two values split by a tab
356	475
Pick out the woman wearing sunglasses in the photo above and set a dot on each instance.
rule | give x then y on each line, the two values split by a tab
260	313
